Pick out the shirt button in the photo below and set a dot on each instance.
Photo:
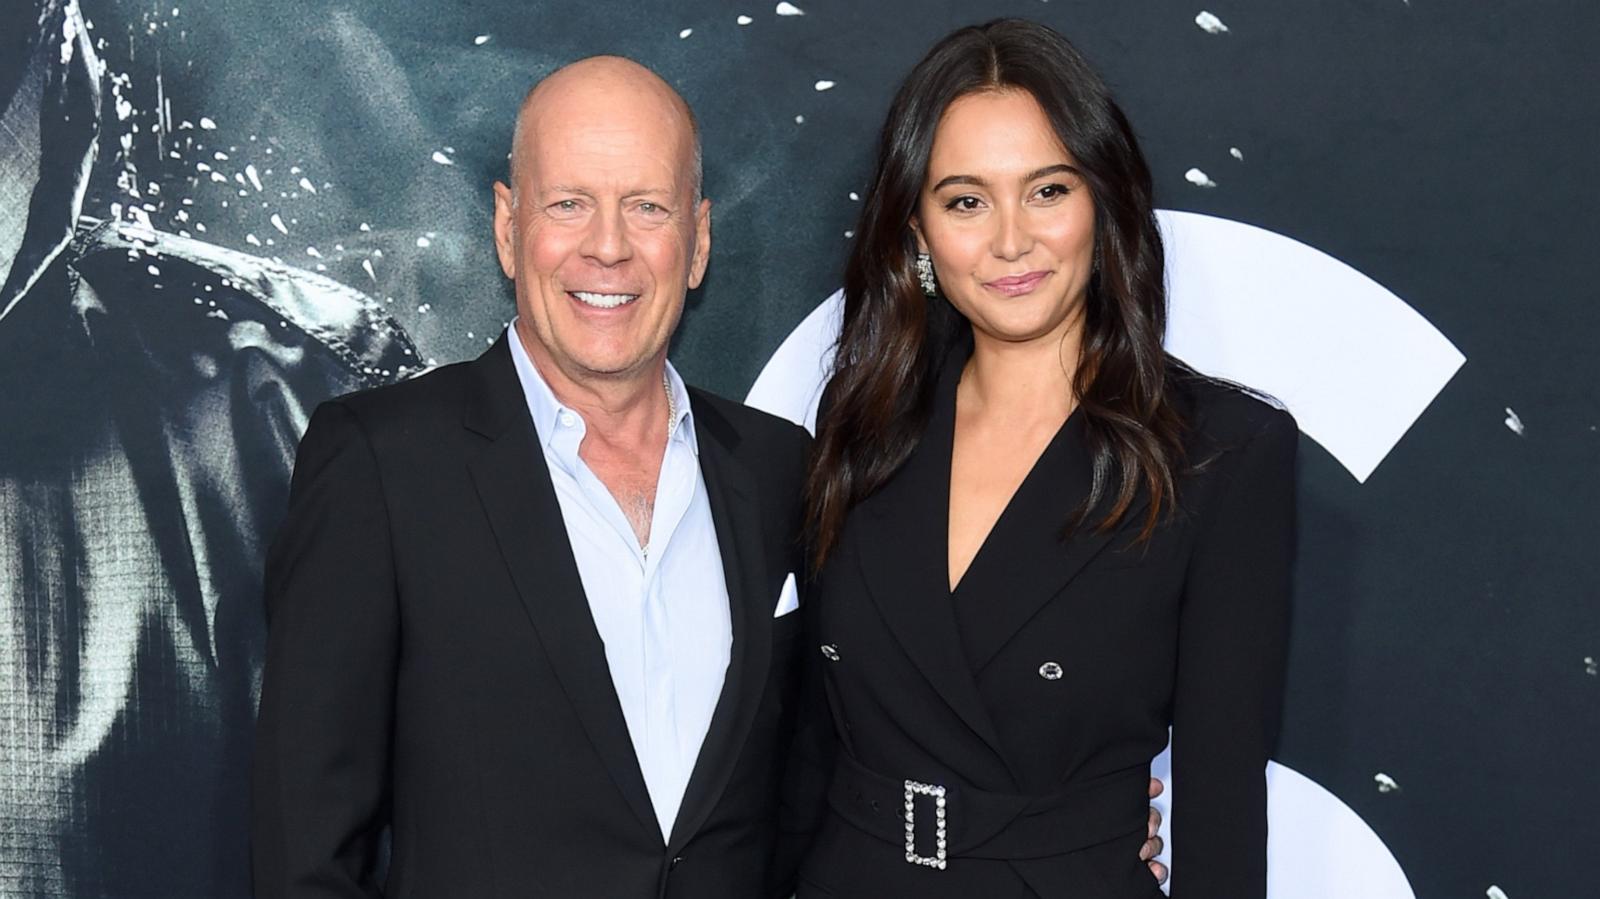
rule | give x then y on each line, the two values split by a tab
830	652
568	420
1051	671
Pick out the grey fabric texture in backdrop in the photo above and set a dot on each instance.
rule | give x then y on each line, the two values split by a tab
214	215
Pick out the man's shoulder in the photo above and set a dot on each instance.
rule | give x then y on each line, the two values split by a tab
424	402
748	424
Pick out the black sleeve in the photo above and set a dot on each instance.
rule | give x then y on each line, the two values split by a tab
809	765
1232	633
320	777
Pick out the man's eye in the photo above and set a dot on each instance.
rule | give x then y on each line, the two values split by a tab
567	206
653	210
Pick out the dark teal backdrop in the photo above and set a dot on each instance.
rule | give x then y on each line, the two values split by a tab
290	199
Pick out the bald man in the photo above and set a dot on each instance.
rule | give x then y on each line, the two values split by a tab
534	613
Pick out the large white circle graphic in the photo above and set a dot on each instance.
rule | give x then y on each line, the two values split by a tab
1355	364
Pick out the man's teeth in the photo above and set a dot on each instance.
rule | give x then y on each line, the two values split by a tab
605	300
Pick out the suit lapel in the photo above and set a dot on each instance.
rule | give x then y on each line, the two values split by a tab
513	484
1026	560
736	512
904	561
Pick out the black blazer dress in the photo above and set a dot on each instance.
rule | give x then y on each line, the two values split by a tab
995	741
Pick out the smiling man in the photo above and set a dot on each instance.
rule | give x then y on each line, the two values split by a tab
534	613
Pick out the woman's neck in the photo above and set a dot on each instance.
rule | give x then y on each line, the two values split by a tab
1029	381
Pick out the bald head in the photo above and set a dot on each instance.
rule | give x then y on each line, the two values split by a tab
616	86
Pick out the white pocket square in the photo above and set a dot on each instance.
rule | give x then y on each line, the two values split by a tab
788	598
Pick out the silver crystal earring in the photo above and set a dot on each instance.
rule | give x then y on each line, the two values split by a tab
925	275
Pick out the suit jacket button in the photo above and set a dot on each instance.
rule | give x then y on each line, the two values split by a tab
674	862
831	652
1051	671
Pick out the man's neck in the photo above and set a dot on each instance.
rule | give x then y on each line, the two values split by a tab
625	412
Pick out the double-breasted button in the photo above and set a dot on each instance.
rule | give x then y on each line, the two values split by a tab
1051	671
830	652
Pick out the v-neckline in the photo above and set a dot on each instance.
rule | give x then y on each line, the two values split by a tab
948	434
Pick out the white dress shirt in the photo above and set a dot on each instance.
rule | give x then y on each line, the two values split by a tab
663	614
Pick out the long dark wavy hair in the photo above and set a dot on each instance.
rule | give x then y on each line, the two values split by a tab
894	338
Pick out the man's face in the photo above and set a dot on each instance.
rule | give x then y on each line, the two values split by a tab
602	235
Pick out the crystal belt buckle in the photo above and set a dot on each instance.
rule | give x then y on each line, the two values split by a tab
936	792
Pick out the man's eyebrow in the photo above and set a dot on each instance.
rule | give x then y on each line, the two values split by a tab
1036	174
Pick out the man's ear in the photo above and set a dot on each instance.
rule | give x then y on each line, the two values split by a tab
702	244
505	226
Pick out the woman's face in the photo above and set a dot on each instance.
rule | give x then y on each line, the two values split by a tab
1007	218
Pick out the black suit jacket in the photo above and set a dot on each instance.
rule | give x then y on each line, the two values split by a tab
432	665
1038	692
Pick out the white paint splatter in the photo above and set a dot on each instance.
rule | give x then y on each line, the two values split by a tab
789	9
424	243
252	240
849	234
367	265
365	226
1198	178
1386	784
1514	422
1209	23
69	33
207	124
480	40
744	20
314	252
219	177
1494	892
425	308
799	120
153	270
306	185
824	85
685	33
277	222
1236	154
855	197
1591	667
442	159
220	156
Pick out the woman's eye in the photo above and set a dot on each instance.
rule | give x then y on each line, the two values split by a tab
964	204
1053	191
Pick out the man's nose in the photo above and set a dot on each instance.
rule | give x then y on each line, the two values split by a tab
607	239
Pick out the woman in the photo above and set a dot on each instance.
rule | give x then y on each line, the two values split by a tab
1040	540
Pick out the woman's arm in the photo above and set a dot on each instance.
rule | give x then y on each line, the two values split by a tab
1232	632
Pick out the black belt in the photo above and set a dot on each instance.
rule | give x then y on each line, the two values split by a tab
956	820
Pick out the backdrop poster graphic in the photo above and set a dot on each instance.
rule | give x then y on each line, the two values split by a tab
214	215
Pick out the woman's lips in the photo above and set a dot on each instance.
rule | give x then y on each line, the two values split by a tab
1016	285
